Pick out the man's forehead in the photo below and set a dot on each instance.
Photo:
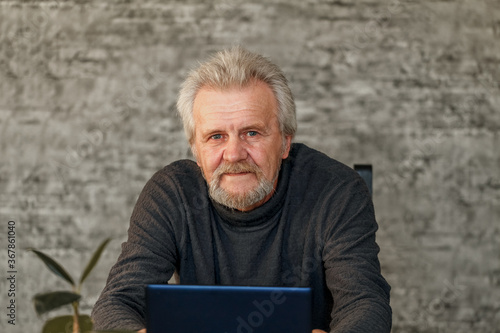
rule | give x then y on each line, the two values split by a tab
257	96
250	85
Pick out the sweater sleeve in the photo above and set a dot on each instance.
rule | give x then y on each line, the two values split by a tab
148	256
352	270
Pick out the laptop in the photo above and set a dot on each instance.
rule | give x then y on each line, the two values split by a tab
227	309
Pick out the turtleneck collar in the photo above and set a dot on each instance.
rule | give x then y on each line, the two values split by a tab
263	213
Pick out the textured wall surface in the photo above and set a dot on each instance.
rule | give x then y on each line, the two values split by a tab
87	115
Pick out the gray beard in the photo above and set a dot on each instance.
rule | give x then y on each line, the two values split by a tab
240	201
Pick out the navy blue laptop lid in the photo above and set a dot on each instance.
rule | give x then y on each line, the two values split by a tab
227	309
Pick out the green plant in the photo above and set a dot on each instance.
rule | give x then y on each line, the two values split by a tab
45	302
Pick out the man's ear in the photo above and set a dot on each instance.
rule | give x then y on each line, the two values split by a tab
287	145
195	154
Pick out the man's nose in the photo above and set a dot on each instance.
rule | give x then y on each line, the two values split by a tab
235	150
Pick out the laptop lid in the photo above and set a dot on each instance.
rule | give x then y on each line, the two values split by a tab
227	309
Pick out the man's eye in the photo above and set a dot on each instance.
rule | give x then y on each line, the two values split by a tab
252	133
216	137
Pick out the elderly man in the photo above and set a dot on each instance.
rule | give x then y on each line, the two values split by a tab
254	209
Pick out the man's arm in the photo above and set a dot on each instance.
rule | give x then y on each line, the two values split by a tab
147	257
352	269
313	331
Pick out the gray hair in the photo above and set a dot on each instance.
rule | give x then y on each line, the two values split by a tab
237	67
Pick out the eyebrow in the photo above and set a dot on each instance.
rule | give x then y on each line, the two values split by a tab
258	127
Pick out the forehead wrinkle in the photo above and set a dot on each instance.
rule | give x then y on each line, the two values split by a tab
227	123
214	111
236	109
262	99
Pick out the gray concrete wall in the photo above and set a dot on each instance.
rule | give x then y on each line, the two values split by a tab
87	115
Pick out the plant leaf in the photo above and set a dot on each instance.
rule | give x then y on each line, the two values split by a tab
65	324
52	300
93	261
54	266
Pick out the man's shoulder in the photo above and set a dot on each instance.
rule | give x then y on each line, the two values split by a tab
315	163
181	167
180	173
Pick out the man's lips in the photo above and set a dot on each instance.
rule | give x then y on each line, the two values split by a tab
237	174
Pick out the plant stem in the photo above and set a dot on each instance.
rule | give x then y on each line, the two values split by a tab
76	317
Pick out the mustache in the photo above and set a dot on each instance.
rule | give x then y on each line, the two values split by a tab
238	167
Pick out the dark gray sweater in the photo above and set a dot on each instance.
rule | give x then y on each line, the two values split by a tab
318	230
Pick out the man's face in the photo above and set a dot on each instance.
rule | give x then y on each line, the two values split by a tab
238	143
